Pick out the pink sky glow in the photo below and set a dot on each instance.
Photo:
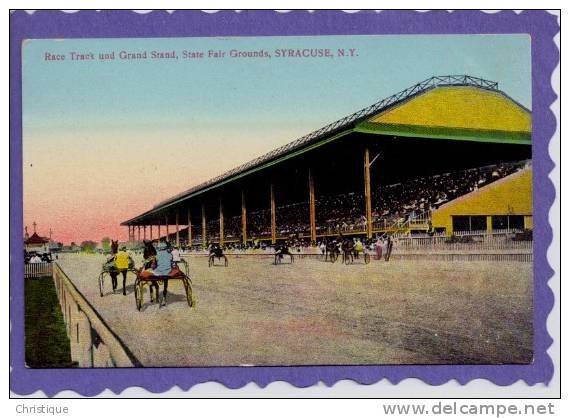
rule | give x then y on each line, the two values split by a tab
83	184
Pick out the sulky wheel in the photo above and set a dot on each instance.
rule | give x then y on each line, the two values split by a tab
138	294
333	256
367	258
225	261
188	290
210	261
101	277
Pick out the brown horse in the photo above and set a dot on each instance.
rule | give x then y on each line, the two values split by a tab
149	255
332	251
348	251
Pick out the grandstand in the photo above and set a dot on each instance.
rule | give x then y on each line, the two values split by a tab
451	153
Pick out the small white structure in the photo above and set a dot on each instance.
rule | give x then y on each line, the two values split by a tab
35	243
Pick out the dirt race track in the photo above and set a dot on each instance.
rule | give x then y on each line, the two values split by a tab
312	312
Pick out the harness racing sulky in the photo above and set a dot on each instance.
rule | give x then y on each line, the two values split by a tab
216	252
282	250
119	263
160	268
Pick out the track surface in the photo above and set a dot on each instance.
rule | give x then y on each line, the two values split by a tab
312	312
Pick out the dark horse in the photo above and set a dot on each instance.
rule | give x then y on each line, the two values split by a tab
216	252
332	251
348	251
113	270
280	251
149	256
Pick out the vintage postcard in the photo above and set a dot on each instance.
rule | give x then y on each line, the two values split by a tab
237	203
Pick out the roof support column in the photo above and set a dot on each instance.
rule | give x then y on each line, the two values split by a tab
273	215
177	229
144	232
151	231
204	230
159	230
139	231
167	233
243	219
367	193
312	221
189	229
221	222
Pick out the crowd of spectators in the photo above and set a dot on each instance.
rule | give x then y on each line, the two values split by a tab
34	257
232	227
259	223
345	212
405	200
293	219
408	199
342	212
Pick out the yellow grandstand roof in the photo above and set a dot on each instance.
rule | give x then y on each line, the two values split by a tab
455	112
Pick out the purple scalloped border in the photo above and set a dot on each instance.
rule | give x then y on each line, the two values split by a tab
541	26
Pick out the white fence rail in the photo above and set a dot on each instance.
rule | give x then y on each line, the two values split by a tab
36	270
432	244
523	257
92	342
473	245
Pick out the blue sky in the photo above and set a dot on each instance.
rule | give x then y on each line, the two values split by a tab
244	91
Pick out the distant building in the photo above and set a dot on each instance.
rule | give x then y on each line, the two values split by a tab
37	244
54	246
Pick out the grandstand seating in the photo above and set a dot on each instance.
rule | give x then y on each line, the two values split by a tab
391	203
406	200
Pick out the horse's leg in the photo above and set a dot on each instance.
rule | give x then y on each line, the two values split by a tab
113	280
154	286
151	289
164	292
124	282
